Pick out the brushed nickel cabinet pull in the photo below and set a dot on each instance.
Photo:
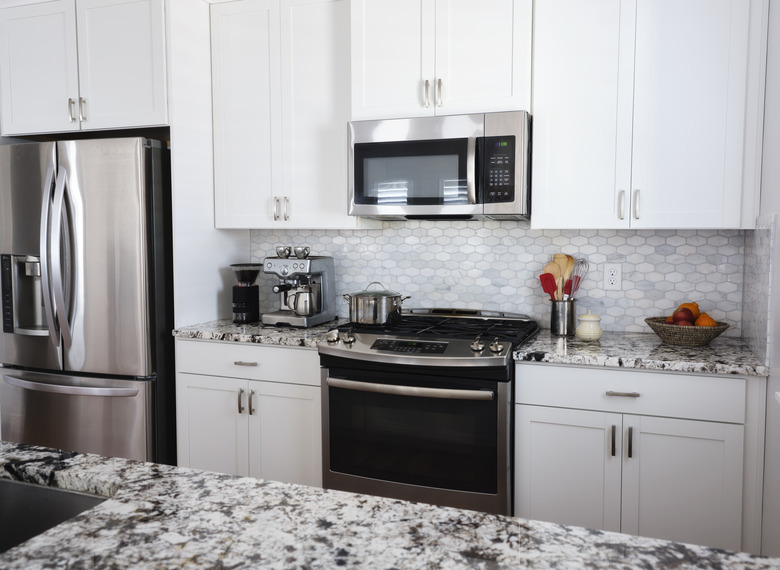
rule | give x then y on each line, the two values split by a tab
71	103
623	394
636	204
630	442
276	208
439	94
622	205
614	430
251	409
286	208
426	94
240	397
243	363
82	104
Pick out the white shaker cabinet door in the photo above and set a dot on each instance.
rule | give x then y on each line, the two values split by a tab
393	45
285	433
483	56
39	68
689	113
211	423
583	97
245	71
568	466
683	480
122	77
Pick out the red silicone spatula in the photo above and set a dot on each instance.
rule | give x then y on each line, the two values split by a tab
548	284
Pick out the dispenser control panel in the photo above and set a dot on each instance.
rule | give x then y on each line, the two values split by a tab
7	292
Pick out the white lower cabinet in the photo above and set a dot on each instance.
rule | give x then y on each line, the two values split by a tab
617	464
230	421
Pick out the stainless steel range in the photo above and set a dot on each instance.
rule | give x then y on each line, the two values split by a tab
420	408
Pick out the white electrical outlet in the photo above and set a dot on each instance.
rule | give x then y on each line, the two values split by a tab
613	277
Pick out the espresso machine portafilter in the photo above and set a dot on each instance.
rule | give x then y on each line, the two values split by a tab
306	290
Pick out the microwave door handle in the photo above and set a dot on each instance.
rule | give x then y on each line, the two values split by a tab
58	286
442	393
46	220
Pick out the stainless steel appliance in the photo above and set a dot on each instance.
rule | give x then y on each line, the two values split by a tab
306	290
421	408
86	347
455	167
246	295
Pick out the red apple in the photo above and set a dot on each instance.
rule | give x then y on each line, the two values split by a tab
684	323
684	314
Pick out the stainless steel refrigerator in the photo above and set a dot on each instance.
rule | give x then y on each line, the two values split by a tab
86	347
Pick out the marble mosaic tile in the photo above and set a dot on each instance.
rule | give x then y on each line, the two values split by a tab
756	298
496	265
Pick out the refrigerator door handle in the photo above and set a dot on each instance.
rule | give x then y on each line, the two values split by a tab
48	300
71	390
57	284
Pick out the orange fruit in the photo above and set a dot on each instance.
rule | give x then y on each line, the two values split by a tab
669	320
693	307
705	320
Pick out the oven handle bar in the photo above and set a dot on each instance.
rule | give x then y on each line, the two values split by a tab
411	390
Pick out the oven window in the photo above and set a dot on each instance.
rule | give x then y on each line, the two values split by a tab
412	173
434	442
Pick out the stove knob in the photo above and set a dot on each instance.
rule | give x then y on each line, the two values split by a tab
332	336
477	345
347	337
496	346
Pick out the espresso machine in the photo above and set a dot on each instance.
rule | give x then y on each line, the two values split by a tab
306	290
246	295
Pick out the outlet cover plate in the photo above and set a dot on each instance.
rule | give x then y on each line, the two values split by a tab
613	277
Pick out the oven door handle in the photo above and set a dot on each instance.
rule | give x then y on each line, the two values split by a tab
416	391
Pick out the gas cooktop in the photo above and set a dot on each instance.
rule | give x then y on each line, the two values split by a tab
434	337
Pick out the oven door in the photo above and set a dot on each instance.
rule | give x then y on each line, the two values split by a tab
417	434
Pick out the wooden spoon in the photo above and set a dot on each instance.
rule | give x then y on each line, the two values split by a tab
561	260
569	268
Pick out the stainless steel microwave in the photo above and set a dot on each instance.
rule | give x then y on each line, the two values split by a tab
450	167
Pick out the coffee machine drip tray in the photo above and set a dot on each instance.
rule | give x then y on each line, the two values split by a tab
306	291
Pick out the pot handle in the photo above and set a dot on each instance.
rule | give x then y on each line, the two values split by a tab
375	283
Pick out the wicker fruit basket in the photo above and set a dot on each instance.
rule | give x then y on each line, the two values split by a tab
684	336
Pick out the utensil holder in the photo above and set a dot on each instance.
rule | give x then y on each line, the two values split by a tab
562	318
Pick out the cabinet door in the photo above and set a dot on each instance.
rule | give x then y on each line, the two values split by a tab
314	113
682	480
245	79
689	112
483	56
285	433
393	43
567	466
212	423
583	97
121	46
38	68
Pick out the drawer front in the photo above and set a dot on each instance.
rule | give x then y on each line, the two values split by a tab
712	398
250	361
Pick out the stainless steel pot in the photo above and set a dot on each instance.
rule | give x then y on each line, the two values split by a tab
373	307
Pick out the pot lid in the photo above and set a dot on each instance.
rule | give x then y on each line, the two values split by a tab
589	317
376	292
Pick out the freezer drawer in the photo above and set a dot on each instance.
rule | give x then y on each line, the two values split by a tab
110	417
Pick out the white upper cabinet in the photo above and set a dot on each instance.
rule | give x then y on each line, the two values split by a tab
280	77
647	114
414	58
71	65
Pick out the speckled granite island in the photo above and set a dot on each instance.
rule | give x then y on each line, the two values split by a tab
167	517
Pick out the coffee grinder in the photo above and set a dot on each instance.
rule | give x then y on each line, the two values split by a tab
246	295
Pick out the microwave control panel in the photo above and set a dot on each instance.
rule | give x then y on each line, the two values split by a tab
498	169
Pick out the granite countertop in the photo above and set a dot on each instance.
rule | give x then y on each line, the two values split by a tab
644	351
724	355
168	517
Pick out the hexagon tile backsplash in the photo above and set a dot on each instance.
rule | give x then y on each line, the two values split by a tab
496	265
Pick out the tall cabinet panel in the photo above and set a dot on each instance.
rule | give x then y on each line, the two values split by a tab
647	114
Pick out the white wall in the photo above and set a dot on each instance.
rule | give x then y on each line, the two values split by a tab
770	204
202	254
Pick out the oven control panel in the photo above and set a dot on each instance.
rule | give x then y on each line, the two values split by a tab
409	346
